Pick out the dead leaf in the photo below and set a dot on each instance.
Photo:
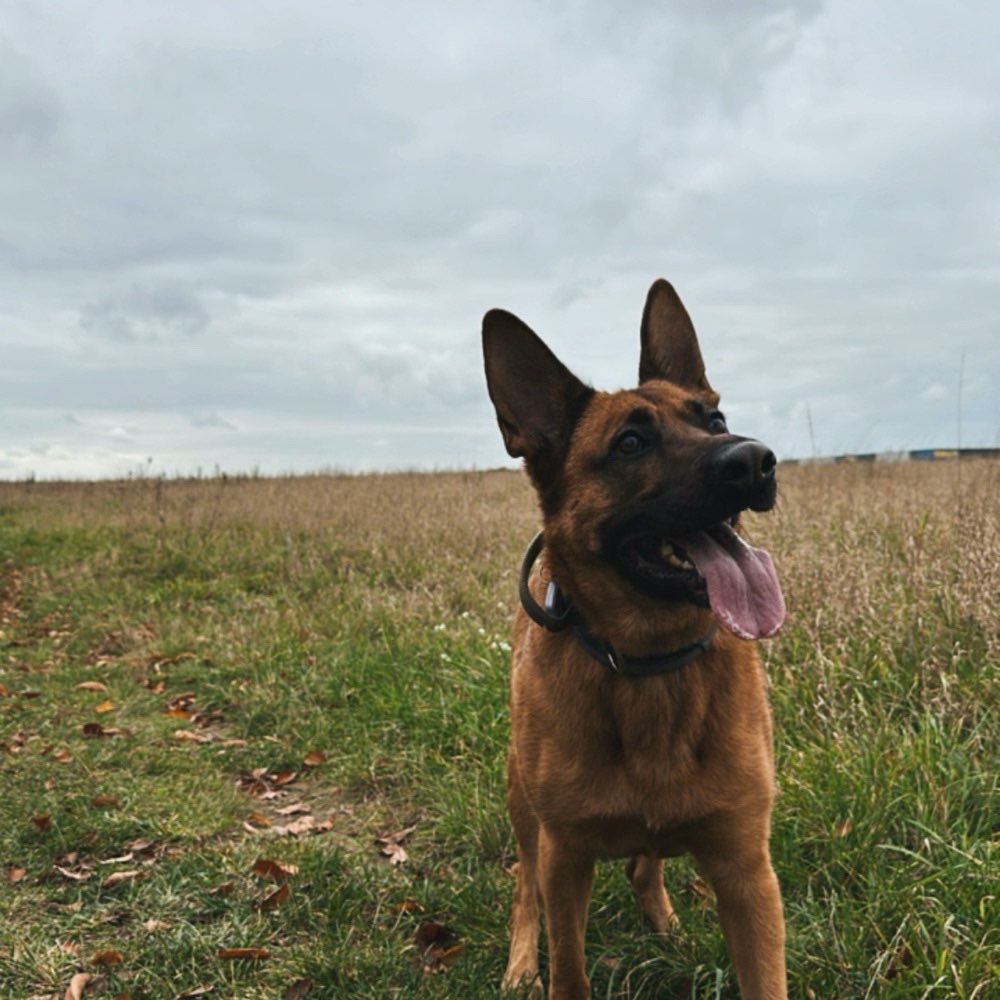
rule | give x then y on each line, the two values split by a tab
63	756
153	925
122	859
92	729
275	899
107	958
284	777
275	871
700	888
224	889
843	829
15	873
179	713
252	954
77	985
295	809
297	827
92	686
104	706
76	876
44	823
299	989
439	946
398	837
201	991
314	758
406	906
191	736
104	801
117	878
396	854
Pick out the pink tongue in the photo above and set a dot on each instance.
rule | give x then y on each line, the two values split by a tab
743	588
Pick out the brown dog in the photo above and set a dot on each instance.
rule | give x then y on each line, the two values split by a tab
640	728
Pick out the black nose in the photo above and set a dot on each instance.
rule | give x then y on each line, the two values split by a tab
744	465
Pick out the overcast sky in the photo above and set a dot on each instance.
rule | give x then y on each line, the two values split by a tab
262	235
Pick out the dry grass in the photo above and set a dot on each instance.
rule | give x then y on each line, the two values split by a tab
366	616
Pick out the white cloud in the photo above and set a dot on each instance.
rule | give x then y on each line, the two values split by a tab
241	235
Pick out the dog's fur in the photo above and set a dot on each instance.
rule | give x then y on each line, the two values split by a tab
640	767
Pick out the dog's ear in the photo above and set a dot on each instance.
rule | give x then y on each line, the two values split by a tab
669	344
537	398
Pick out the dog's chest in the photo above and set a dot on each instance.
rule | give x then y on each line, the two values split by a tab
634	760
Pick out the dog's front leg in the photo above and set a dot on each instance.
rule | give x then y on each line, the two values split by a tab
750	913
565	879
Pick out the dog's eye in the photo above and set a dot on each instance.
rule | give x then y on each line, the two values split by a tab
717	422
629	443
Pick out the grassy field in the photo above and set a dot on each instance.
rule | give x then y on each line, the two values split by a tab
252	736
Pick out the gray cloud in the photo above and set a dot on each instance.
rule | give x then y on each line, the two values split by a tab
267	240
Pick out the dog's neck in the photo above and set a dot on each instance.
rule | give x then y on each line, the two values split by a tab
558	614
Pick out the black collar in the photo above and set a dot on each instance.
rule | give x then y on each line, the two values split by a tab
558	614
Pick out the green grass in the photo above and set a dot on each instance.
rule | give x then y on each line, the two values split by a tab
366	618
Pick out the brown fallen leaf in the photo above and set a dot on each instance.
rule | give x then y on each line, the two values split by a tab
179	713
406	906
252	954
191	736
122	859
153	925
15	873
77	985
295	809
105	801
92	729
314	758
76	876
44	823
107	958
274	899
92	686
275	871
104	706
398	837
297	827
224	889
299	989
63	756
439	946
396	854
117	878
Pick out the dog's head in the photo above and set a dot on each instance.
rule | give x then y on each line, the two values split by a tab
640	487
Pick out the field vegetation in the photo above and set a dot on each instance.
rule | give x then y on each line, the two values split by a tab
252	736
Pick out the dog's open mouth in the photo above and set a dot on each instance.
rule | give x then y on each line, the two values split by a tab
713	567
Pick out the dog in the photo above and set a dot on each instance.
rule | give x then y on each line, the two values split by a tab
640	725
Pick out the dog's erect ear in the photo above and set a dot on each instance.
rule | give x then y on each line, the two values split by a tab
537	398
669	344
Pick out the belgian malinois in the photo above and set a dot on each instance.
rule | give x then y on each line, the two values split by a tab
639	717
